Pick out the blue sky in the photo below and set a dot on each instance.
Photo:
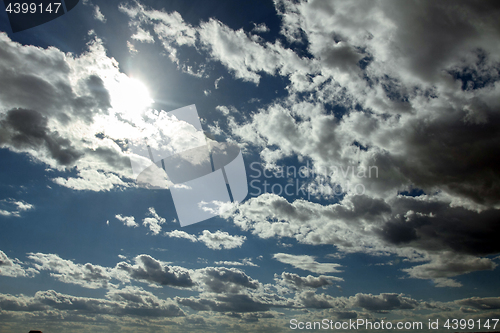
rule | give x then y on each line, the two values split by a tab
389	109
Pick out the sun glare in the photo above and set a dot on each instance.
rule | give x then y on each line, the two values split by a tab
130	97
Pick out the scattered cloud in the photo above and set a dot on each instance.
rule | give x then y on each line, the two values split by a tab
307	263
154	221
98	15
260	28
217	81
216	241
181	234
12	207
129	221
143	36
243	262
221	240
153	271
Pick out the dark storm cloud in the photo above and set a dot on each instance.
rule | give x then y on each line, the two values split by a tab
430	33
455	154
151	270
436	226
27	129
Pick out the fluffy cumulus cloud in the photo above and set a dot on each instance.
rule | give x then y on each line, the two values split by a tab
344	225
296	281
153	221
181	234
150	270
129	221
225	280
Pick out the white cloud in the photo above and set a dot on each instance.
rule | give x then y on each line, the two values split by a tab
261	28
156	272
129	221
181	234
217	81
442	267
409	227
143	36
342	225
243	262
119	302
298	282
221	239
215	241
87	275
307	263
14	267
12	207
91	180
242	54
154	221
98	15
